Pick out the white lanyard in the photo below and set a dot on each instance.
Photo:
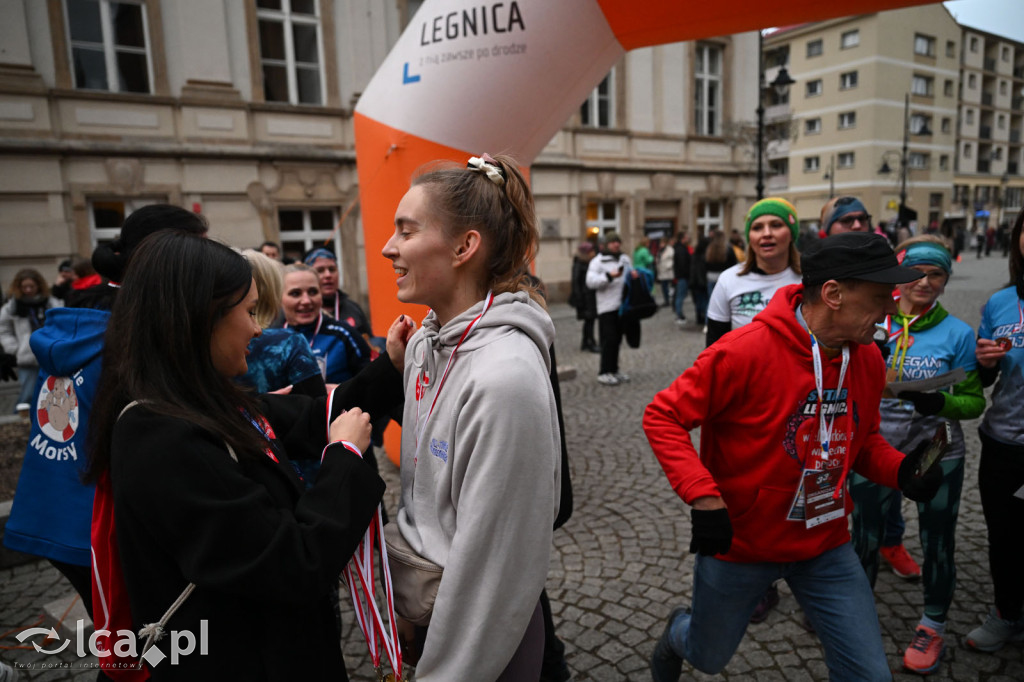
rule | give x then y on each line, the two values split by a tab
316	329
825	432
422	380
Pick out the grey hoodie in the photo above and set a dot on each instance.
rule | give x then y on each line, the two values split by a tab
480	480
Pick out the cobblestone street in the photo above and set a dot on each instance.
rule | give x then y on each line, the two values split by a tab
621	563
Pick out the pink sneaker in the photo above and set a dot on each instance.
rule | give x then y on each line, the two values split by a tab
925	651
902	563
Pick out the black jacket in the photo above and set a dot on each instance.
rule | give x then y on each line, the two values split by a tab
681	261
264	554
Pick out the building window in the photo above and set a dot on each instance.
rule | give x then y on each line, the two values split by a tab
947	125
815	48
972	81
1001	121
944	162
1013	197
847	119
598	110
107	215
813	88
969	116
917	160
709	216
924	45
290	51
847	80
109	45
950	49
947	88
811	164
812	126
845	159
922	85
305	228
1002	87
708	89
967	150
974	44
602	218
919	122
997	154
1005	54
849	39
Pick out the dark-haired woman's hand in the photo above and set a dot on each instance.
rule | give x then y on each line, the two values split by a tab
398	337
354	426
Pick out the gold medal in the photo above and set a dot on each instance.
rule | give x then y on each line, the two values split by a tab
1004	343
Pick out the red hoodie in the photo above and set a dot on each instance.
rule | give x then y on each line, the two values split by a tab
753	393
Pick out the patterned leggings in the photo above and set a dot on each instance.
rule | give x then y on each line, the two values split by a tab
936	524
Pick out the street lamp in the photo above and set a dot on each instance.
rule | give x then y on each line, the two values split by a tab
781	84
831	176
885	169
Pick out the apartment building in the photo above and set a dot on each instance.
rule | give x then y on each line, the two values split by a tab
242	110
873	113
988	185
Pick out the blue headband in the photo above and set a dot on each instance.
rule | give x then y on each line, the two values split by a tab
841	208
319	253
926	253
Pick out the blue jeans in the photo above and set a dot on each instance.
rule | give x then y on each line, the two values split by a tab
27	376
831	588
681	286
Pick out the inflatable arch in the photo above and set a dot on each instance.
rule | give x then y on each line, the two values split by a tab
469	76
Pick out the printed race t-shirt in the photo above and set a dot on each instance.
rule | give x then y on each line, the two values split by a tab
738	298
1003	318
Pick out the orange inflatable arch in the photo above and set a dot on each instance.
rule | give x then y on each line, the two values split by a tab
468	76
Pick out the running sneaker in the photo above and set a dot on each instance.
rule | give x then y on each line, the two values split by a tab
925	651
608	379
623	378
995	632
902	563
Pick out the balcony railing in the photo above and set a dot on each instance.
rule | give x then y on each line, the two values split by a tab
1012	168
1017	103
983	165
990	64
1014	136
1018	72
985	132
986	99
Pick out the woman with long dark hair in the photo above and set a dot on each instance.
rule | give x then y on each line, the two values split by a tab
197	472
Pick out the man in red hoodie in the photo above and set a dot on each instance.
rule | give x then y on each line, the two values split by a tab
788	406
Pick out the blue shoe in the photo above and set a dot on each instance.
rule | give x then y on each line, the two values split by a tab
666	665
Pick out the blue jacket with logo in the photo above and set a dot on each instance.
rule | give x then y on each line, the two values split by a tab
52	508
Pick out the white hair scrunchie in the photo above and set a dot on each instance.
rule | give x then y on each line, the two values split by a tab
488	166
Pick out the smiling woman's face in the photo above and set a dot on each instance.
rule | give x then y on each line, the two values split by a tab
301	300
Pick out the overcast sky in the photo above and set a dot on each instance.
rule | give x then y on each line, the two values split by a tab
1002	17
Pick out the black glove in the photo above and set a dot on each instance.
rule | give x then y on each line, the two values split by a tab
925	403
7	364
712	531
918	488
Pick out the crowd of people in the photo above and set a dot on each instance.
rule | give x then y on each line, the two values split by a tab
220	474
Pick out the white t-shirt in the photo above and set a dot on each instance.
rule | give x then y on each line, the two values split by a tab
737	298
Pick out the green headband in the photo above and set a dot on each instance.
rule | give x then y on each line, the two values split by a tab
777	207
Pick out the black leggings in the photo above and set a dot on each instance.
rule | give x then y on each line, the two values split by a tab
1000	475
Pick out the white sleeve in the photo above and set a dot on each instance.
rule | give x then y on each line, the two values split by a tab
719	307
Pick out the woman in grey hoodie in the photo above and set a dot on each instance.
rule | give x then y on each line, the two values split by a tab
480	439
